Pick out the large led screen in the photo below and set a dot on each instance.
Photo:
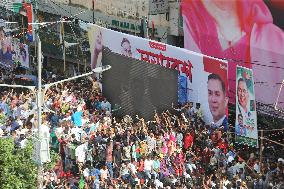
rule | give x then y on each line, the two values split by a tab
139	88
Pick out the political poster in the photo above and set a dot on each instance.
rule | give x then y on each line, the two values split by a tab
195	67
21	54
251	36
246	119
12	51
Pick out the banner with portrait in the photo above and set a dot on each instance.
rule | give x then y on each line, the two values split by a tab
195	67
12	51
251	36
246	118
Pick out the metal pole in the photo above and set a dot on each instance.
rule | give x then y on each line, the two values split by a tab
39	106
260	152
85	64
273	141
63	41
275	107
145	27
96	70
93	3
18	86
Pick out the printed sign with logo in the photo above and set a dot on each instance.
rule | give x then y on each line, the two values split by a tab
196	68
246	122
158	6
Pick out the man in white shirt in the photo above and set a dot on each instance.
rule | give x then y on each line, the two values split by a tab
256	167
151	141
132	168
148	164
59	130
191	110
80	153
241	164
77	132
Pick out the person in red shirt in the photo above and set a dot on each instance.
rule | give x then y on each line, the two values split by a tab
179	162
188	141
206	155
62	143
222	144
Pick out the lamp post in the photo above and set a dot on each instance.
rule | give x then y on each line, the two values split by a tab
39	118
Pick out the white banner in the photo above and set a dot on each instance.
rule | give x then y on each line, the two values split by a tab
195	67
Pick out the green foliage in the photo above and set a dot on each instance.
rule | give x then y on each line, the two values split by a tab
54	159
17	169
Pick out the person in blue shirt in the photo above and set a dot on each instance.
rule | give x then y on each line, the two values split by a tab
54	120
5	52
98	104
77	117
95	175
14	125
105	105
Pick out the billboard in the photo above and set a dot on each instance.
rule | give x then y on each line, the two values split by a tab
137	87
248	37
12	51
246	119
195	67
25	16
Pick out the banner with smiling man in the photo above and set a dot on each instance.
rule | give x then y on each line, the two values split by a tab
246	119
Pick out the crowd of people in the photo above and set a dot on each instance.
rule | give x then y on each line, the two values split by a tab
99	149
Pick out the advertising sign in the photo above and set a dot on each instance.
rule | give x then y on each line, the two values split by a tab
26	11
195	67
158	6
12	51
246	119
251	36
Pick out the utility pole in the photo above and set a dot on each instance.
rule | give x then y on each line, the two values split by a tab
64	50
276	103
144	27
93	3
260	150
39	111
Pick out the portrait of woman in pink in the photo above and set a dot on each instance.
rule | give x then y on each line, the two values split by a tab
243	33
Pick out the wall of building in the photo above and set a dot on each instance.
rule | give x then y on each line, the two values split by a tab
121	15
84	3
123	8
130	10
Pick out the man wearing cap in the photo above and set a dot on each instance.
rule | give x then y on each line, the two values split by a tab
217	100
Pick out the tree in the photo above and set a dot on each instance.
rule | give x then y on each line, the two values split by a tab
17	168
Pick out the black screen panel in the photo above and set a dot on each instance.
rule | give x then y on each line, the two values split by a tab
138	87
